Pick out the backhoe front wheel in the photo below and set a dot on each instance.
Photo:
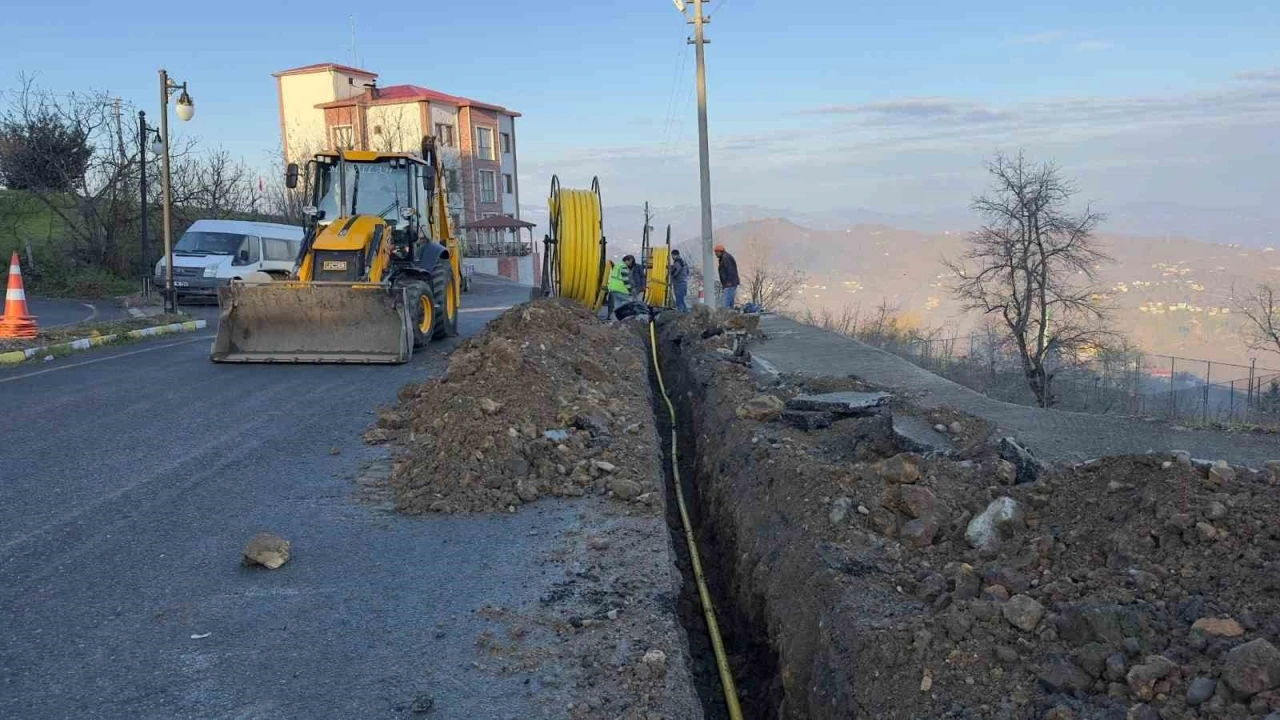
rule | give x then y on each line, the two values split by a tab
424	312
445	291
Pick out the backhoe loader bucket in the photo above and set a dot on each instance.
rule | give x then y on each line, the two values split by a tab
312	322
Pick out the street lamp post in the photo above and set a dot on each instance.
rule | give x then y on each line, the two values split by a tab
185	109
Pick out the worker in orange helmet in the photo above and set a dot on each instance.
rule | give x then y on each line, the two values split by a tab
728	276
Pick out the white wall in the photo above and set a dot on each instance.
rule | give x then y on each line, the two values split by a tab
518	269
301	121
506	125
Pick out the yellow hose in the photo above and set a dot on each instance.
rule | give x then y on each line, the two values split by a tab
708	610
655	284
579	244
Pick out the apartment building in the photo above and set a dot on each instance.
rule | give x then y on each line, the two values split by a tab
329	106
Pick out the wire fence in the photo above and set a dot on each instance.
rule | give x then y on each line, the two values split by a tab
1186	390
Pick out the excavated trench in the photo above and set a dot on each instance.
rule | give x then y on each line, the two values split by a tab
752	661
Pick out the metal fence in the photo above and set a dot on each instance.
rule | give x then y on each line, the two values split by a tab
1182	389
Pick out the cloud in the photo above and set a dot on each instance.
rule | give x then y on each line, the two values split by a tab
1038	38
1259	76
1093	45
908	110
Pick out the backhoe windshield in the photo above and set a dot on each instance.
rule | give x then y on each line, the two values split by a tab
369	189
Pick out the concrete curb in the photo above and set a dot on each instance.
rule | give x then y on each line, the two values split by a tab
20	356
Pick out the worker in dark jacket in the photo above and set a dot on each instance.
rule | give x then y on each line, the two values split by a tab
728	277
679	274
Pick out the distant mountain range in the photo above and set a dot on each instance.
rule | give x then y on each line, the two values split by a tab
1256	227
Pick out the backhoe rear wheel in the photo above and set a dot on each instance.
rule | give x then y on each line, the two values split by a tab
445	290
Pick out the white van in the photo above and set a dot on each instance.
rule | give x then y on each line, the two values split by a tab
212	253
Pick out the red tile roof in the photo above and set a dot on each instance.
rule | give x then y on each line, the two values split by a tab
393	94
325	66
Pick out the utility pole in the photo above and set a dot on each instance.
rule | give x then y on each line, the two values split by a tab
704	157
142	189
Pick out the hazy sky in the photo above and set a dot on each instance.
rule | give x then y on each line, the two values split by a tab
828	103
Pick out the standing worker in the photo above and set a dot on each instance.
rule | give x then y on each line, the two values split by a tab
728	277
638	278
679	274
619	285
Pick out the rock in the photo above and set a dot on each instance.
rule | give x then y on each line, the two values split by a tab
422	704
1023	612
956	428
598	542
1006	472
940	428
807	420
1059	712
996	593
1221	473
655	661
489	407
885	521
625	489
967	582
933	585
1117	667
1061	675
1091	658
267	550
926	682
1007	655
1200	690
840	509
605	467
919	533
1028	466
526	490
1215	510
594	423
556	435
901	468
1143	678
1001	519
761	408
846	403
1218	627
917	435
1142	711
1252	668
1206	531
1182	457
919	501
863	510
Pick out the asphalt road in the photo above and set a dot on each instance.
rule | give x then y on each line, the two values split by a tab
55	312
130	479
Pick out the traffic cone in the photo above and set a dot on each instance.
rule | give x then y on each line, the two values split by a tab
16	322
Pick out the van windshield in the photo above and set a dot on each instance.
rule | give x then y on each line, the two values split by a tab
208	243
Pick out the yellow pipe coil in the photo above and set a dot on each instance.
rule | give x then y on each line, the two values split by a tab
578	238
655	290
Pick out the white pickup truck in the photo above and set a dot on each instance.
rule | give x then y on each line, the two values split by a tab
212	253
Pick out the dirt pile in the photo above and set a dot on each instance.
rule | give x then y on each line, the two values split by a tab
547	401
898	586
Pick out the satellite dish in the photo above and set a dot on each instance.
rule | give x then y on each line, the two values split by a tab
679	4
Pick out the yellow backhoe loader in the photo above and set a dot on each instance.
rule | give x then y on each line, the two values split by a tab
377	276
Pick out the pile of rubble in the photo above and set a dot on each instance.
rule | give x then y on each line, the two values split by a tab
546	401
965	579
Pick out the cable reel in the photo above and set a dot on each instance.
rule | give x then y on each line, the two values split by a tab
575	263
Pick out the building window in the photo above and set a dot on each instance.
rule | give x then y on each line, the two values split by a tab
451	183
455	221
484	143
444	134
506	143
488	189
343	137
508	184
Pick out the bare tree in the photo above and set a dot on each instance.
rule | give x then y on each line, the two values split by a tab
769	284
1033	265
1261	310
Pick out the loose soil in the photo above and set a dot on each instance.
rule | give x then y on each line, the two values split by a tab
850	558
547	401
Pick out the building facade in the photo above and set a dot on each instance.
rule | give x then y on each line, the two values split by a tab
330	106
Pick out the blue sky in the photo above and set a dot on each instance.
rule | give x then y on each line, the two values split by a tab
815	105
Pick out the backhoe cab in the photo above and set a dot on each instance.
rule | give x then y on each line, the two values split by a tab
377	274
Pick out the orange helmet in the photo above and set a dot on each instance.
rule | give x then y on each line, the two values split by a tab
717	248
